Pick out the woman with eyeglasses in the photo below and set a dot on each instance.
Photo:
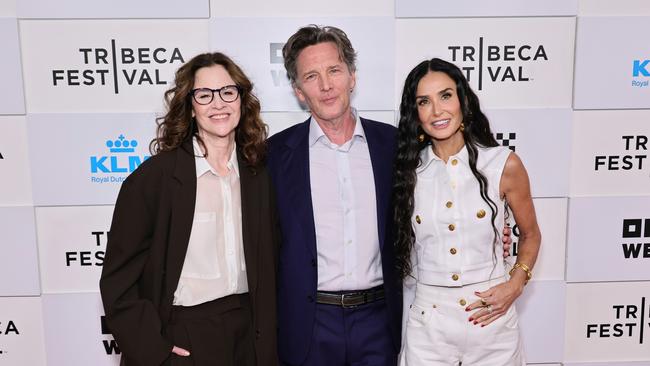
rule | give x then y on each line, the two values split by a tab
189	272
452	187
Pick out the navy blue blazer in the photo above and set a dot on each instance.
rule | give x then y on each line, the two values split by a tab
288	164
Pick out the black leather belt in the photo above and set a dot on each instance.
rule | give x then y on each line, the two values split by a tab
350	299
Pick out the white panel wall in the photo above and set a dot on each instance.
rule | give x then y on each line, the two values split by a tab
21	331
564	83
19	269
480	8
95	165
72	243
105	65
11	94
15	188
620	77
70	9
510	62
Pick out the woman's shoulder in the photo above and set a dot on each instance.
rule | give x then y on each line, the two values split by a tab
156	166
493	157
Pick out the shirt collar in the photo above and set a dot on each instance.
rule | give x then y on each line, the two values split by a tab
427	156
202	165
316	132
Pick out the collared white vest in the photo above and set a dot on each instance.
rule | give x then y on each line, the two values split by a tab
452	224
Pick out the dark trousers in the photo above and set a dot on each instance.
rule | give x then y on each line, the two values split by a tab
351	336
219	332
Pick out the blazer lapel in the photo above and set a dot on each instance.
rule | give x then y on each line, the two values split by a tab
250	211
298	183
182	213
382	160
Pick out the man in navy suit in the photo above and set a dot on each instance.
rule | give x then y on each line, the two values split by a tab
339	298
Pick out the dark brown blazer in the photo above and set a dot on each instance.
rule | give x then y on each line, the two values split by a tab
146	249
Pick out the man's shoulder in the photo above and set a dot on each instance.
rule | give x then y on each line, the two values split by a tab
382	127
381	132
282	137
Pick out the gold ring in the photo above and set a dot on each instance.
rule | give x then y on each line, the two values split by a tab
483	302
489	309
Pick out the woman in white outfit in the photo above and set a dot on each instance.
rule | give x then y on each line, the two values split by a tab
452	187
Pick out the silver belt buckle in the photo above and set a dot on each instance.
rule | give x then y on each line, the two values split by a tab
346	305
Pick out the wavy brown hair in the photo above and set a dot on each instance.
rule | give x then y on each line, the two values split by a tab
178	125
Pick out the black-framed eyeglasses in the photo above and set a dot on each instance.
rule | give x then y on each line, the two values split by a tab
228	94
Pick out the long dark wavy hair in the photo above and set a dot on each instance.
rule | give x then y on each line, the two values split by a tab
178	125
476	132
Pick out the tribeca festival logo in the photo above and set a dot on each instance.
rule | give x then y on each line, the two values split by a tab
630	321
114	167
497	63
641	73
636	237
121	66
278	73
89	258
633	159
8	328
110	345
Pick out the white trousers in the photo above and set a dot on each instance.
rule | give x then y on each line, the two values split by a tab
438	331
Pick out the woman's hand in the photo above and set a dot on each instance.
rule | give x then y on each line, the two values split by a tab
180	351
495	301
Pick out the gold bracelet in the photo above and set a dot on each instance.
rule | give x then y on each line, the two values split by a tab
525	268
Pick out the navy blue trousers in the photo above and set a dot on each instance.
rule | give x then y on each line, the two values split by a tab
357	336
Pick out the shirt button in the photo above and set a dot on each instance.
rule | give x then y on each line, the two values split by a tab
455	277
454	162
462	302
480	214
452	251
449	204
417	219
452	227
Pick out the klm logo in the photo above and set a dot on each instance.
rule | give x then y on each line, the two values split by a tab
121	160
641	69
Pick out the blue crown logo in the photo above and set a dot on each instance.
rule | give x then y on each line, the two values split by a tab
121	145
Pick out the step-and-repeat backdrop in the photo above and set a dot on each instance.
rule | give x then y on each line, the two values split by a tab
564	82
